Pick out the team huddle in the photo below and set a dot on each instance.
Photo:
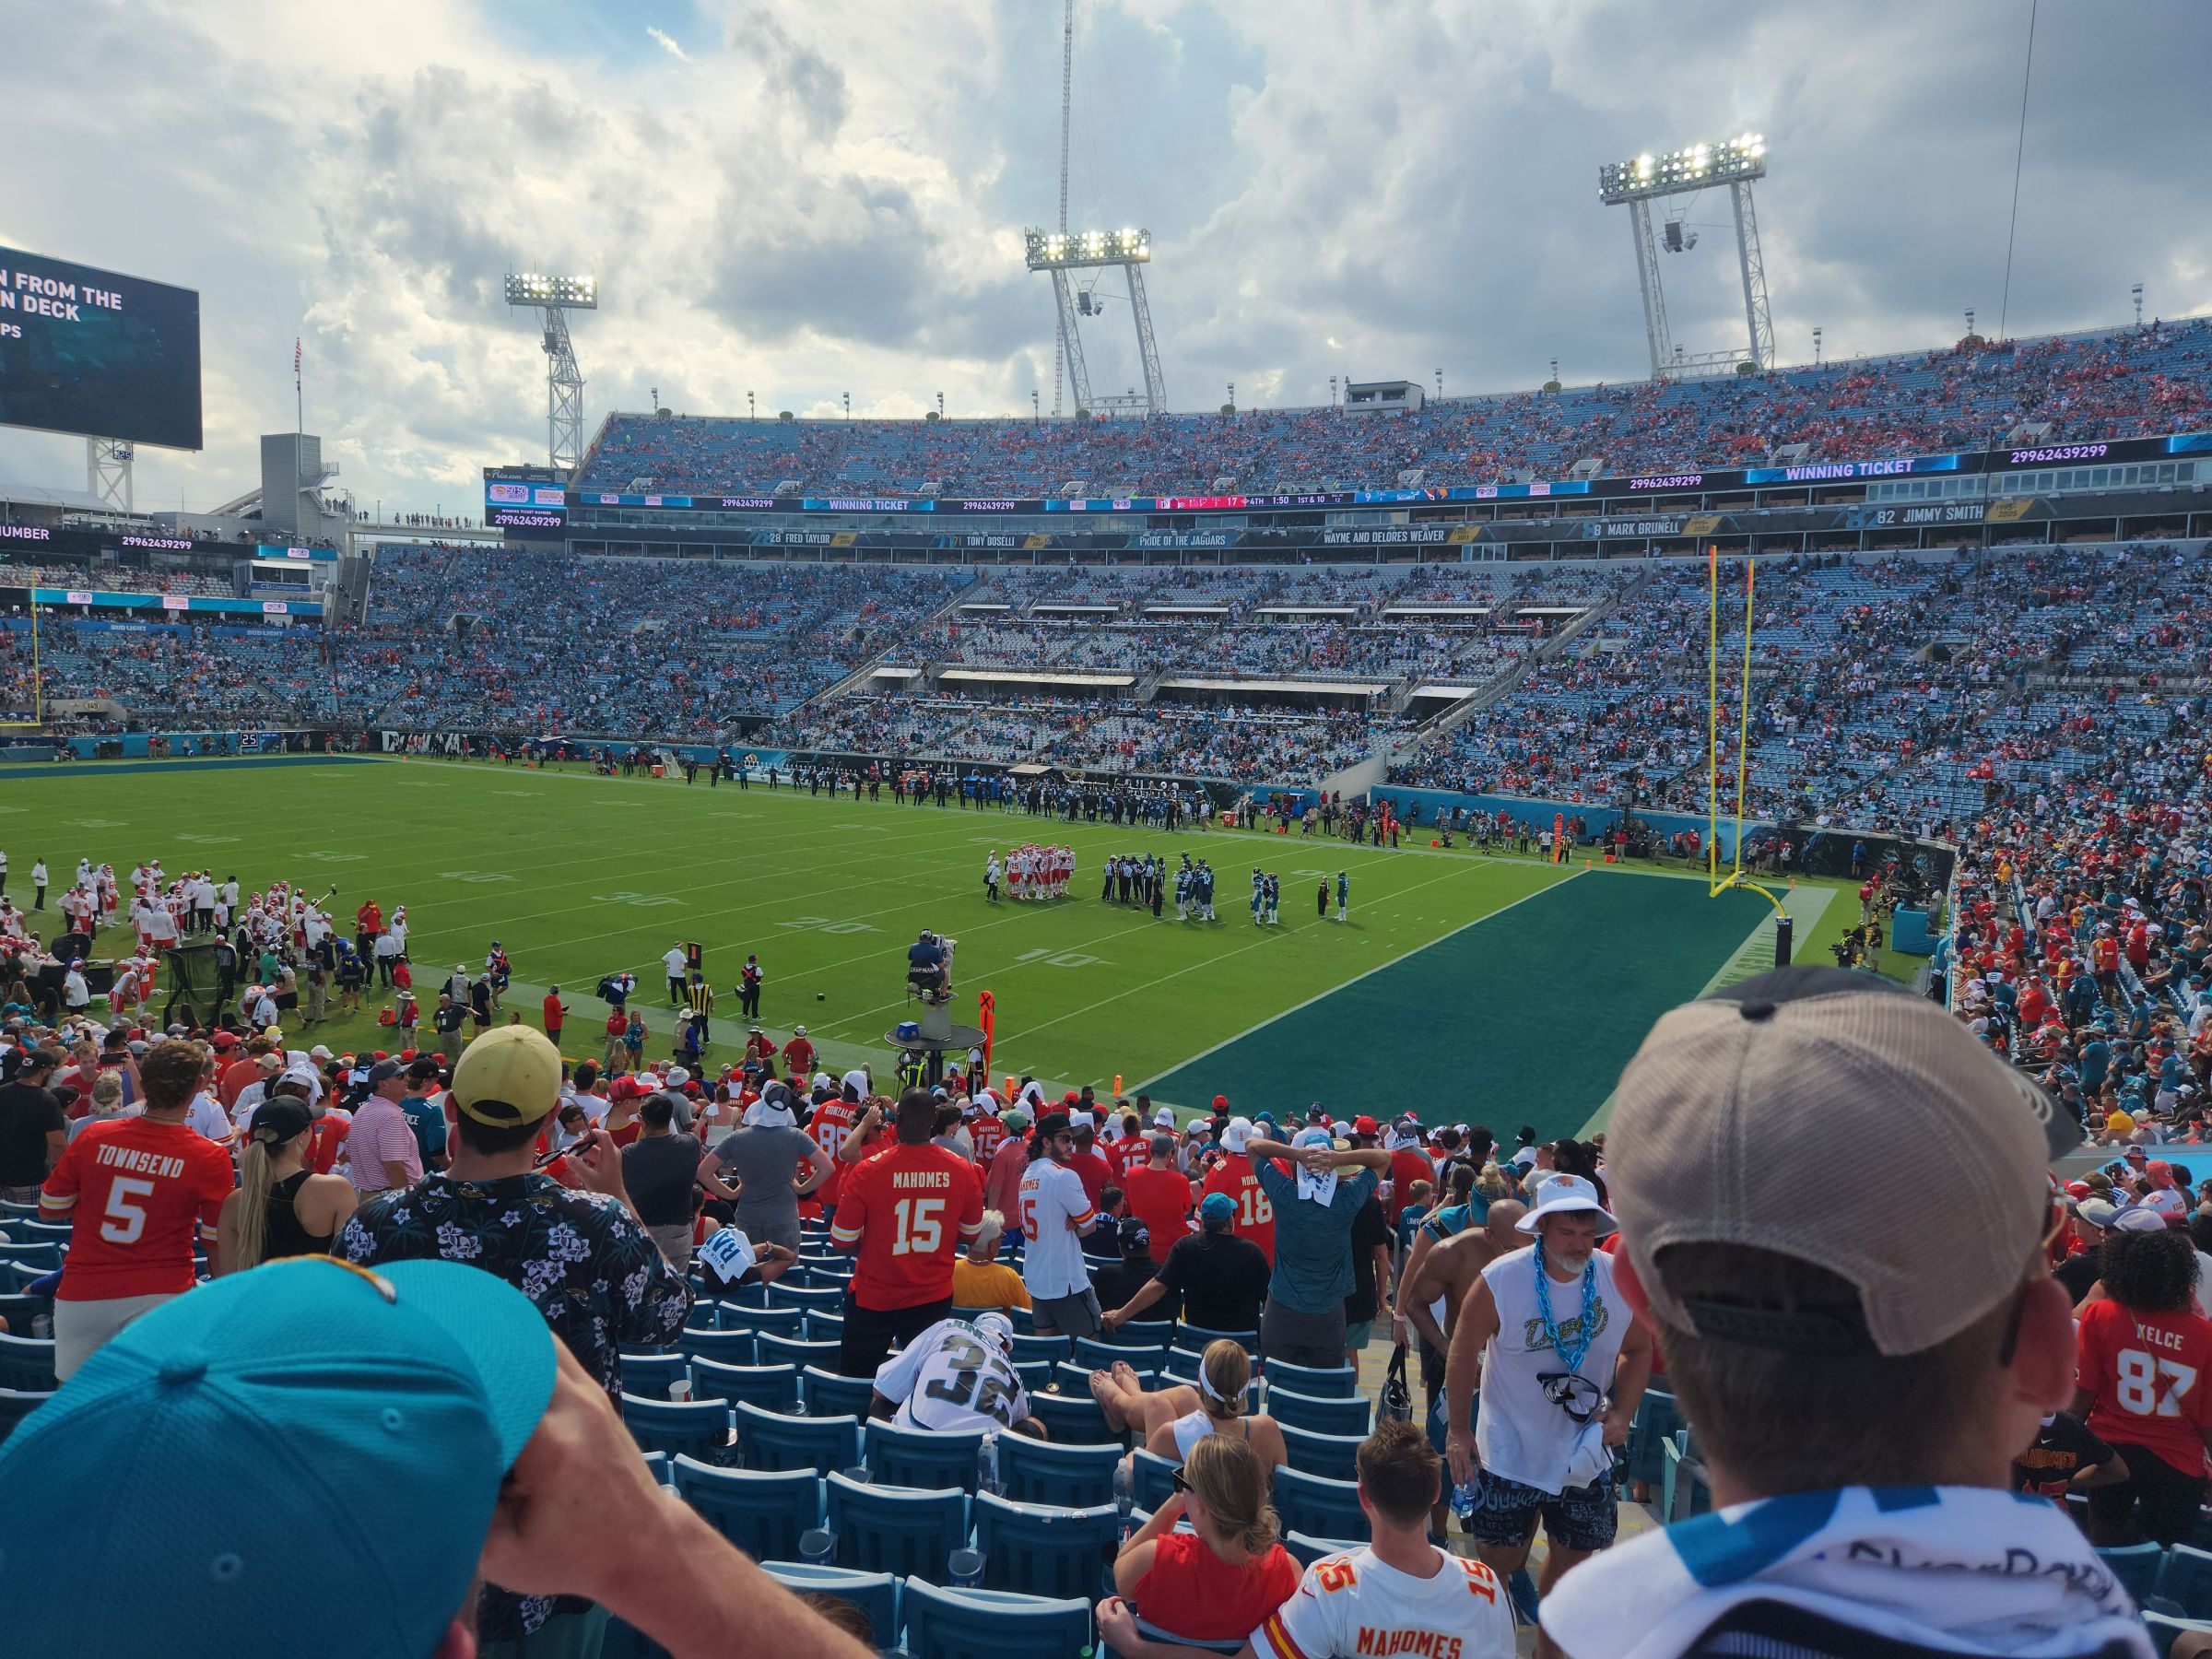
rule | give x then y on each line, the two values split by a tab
1030	872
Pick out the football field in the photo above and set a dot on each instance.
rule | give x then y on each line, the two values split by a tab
1469	988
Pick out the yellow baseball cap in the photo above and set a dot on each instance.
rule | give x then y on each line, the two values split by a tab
508	1077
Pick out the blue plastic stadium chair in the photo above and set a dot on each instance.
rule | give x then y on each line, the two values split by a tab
755	1295
768	1439
1684	1489
921	1457
19	1309
1094	1354
972	1624
1035	1471
45	1232
1334	1382
2134	1565
1319	1508
1037	1376
762	1511
1657	1417
1320	1414
790	1350
824	1327
1050	1349
1142	1333
1034	1550
1305	1551
1075	1379
827	1299
1073	1421
725	1347
773	1387
650	1374
1192	1339
874	1593
657	1466
1153	1632
895	1529
2164	1628
829	1395
1154	1478
1332	1457
699	1429
33	1259
786	1323
27	1363
2185	1579
17	1403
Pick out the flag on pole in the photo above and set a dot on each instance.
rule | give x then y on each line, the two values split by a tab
295	355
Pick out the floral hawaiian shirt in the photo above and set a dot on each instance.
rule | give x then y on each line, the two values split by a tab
593	1272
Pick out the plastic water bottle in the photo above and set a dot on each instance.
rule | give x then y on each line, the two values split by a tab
1124	1495
1462	1500
986	1466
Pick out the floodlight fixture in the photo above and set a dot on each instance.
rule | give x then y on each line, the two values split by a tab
1061	252
1729	162
573	293
553	298
1083	249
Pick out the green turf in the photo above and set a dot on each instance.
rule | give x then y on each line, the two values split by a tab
579	876
1525	1016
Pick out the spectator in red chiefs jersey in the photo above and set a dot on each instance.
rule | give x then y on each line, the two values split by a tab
1002	1179
137	1193
1159	1194
1232	1176
1091	1165
904	1211
2143	1348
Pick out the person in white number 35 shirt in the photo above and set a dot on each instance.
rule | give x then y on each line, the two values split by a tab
957	1375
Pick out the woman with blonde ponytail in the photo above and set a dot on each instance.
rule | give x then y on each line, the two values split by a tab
279	1209
1173	1419
1219	1582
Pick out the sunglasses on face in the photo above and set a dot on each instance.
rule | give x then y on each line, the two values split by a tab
1177	1480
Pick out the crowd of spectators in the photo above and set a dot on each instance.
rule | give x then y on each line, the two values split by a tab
2117	384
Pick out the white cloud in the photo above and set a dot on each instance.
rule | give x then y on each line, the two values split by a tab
836	206
667	44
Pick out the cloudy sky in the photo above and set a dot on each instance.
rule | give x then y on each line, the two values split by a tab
802	198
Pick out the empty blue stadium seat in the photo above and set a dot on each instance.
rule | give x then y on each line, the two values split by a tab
1194	1339
1050	1349
2164	1628
656	1464
1335	1382
2185	1579
650	1374
1320	1414
1071	1422
1033	1471
1657	1417
1317	1507
725	1347
824	1327
1154	1477
774	1387
763	1511
829	1395
893	1528
772	1350
769	1440
699	1429
922	1457
981	1624
27	1363
1307	1550
1039	1550
874	1593
1332	1457
787	1323
1142	1333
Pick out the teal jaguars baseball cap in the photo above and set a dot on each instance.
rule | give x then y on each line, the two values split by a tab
302	1458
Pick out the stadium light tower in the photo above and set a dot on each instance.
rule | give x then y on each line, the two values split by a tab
553	298
1636	183
1061	252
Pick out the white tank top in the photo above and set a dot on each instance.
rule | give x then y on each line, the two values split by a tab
1520	1434
1194	1427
